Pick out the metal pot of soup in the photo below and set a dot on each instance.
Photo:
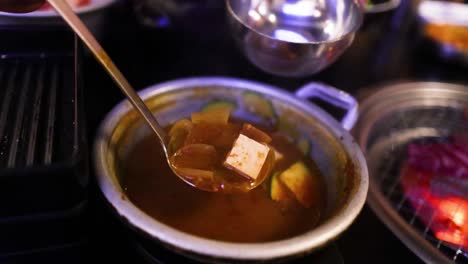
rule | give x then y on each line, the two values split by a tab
314	196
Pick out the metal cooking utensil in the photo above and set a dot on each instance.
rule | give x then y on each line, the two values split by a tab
293	38
64	9
332	148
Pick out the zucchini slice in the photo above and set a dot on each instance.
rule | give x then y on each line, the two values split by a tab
221	116
258	105
304	146
219	104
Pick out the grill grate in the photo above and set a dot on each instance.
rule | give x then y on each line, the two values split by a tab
42	155
388	153
30	116
43	150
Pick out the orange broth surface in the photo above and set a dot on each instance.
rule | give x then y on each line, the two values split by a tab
237	217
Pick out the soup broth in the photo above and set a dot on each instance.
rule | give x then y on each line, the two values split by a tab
237	217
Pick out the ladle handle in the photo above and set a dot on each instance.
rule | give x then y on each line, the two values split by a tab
64	9
333	96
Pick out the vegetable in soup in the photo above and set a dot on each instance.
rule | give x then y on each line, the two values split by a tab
212	153
289	201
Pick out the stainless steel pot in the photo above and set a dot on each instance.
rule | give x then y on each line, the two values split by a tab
293	38
332	147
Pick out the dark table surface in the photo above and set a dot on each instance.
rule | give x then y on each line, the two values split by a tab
386	49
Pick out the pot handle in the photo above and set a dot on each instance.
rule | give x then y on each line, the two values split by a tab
333	96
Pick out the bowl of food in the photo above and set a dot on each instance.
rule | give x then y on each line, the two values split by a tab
92	12
317	186
293	38
444	24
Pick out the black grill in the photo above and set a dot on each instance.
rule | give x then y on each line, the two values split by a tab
28	111
43	153
39	132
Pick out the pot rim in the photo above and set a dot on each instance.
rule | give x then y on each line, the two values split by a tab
306	242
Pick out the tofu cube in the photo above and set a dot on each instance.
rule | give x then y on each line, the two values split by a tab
247	157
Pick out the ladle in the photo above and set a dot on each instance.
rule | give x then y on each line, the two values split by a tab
66	12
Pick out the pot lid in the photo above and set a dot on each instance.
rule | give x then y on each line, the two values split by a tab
415	139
